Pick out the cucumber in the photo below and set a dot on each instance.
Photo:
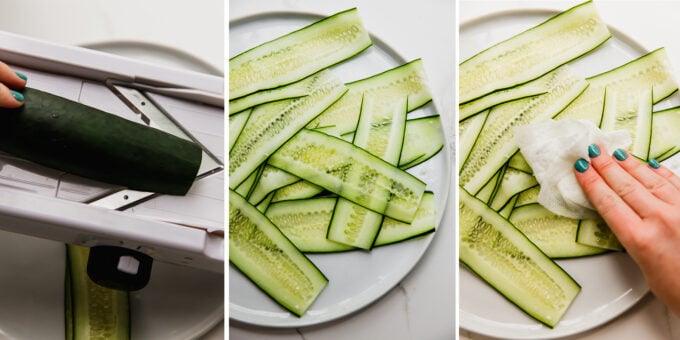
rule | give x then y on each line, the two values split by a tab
297	89
596	233
532	53
298	190
496	144
270	125
423	139
528	196
92	311
555	235
630	113
381	133
665	127
305	222
75	138
518	162
270	180
489	189
236	123
650	70
468	130
392	231
352	173
502	256
298	54
262	253
407	80
512	183
530	89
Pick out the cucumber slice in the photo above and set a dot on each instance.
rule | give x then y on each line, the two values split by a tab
530	89
393	231
528	196
236	123
298	190
261	252
512	183
533	53
298	54
381	133
596	233
297	89
351	172
496	144
555	235
305	222
665	126
407	80
650	70
92	311
632	113
270	125
423	139
69	136
468	130
518	162
271	179
503	257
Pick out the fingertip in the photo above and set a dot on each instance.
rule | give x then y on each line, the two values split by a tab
581	165
653	163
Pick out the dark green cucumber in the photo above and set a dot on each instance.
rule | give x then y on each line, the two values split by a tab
264	254
75	138
503	257
92	311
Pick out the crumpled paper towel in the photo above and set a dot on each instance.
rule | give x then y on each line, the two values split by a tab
551	148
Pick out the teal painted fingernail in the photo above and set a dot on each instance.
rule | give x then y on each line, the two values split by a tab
593	150
581	165
21	75
17	96
620	154
654	164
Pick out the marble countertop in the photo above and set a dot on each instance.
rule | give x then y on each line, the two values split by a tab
651	24
421	306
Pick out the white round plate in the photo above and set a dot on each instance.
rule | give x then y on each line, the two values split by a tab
611	283
356	278
179	303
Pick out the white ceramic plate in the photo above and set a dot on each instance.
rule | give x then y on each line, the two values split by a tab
356	278
611	283
179	303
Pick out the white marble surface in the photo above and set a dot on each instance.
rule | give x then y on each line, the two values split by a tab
652	24
422	305
176	33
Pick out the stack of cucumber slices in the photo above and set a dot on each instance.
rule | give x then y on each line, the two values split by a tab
506	237
320	165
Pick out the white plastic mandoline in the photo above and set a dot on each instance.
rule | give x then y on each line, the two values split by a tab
48	203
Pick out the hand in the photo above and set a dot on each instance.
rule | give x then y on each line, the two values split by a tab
11	81
641	204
